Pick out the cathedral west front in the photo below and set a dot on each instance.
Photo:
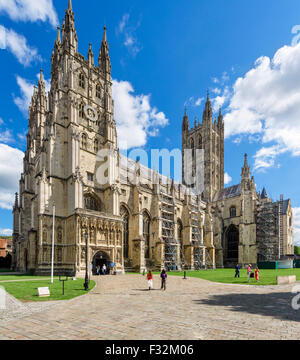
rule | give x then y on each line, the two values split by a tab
149	223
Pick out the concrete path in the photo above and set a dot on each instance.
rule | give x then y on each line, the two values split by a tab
121	307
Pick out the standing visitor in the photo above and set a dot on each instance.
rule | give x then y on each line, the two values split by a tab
249	271
104	269
163	276
150	279
237	271
256	274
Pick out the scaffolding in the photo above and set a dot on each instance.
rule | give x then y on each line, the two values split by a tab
280	226
197	241
168	233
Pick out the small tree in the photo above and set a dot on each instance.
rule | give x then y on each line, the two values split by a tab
297	250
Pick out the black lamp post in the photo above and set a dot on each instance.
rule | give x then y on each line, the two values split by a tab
86	282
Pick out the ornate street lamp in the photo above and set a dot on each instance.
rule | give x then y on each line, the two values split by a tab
86	282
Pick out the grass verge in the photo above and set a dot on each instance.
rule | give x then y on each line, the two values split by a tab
27	290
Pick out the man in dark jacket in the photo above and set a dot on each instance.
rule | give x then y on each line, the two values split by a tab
163	276
237	271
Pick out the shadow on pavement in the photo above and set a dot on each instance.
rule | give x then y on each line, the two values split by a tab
277	305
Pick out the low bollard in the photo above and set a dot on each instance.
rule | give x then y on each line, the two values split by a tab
184	278
63	283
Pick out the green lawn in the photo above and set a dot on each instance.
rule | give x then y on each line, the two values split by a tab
27	290
267	277
23	277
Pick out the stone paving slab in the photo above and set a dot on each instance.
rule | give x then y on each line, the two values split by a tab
121	307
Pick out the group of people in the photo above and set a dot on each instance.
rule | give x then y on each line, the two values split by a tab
249	272
102	271
163	277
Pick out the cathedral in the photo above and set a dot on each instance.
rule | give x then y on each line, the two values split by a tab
149	223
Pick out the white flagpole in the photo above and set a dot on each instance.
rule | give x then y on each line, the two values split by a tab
52	257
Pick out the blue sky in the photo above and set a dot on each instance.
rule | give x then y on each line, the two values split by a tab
165	55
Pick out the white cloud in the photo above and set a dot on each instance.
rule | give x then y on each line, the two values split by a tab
266	101
5	135
9	174
296	221
134	116
220	100
227	178
123	22
129	33
6	232
26	89
194	102
30	10
265	157
199	101
17	45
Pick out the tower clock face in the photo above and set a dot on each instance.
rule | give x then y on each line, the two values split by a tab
91	113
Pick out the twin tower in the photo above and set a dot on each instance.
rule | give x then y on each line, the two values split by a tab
209	137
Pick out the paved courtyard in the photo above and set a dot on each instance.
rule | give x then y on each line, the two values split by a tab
120	307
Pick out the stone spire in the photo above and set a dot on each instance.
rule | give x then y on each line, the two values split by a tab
264	194
220	118
207	114
185	122
245	169
16	205
69	36
58	40
41	83
91	55
104	59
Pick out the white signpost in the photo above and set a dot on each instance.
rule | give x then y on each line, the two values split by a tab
43	292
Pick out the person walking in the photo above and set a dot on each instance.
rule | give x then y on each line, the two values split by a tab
163	277
237	271
150	280
98	270
256	274
104	269
249	271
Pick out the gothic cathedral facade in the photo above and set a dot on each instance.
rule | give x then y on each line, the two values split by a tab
152	222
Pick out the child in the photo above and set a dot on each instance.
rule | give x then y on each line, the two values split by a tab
150	280
256	274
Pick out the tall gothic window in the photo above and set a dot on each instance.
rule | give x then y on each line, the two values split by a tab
200	142
81	81
84	141
146	234
193	147
91	203
125	215
232	211
81	111
96	146
98	91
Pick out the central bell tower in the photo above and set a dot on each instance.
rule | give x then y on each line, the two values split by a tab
209	137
